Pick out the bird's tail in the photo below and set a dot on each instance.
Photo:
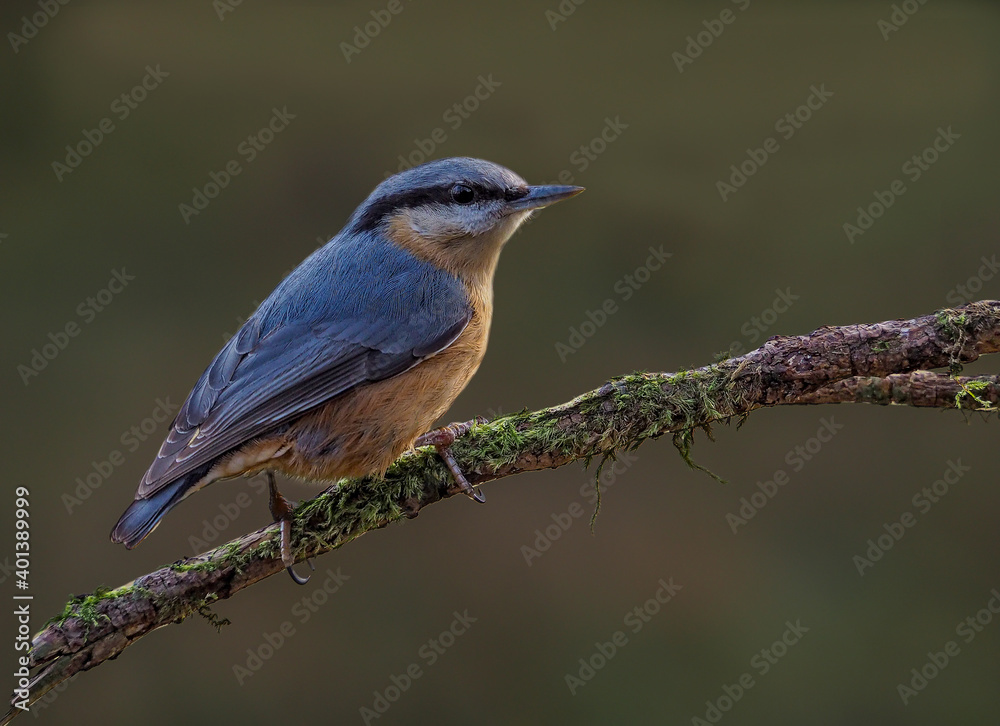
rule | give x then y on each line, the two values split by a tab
143	515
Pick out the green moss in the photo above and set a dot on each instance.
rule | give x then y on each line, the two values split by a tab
971	390
206	612
206	566
623	413
684	441
85	607
951	325
231	555
679	404
228	555
597	486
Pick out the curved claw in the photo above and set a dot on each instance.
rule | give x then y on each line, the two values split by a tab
281	510
297	578
286	554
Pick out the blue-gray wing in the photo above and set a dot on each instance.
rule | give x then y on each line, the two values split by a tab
355	312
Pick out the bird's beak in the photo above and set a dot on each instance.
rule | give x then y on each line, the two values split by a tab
542	196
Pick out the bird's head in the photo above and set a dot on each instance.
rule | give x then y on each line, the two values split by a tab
455	213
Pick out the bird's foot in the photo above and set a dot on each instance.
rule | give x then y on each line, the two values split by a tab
281	510
441	439
446	435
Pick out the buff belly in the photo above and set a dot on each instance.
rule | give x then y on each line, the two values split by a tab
364	430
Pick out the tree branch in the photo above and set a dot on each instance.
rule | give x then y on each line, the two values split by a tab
882	363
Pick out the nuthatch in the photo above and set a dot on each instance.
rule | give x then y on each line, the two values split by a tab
357	352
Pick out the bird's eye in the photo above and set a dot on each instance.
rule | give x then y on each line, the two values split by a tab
462	194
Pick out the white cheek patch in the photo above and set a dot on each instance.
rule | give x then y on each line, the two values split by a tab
517	219
436	223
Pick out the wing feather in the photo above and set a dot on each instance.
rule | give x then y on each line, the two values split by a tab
317	336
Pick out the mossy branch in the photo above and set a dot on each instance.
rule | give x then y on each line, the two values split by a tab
881	363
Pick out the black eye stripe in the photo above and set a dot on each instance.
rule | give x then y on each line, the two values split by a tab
438	194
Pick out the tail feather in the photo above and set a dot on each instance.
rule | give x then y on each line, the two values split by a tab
143	515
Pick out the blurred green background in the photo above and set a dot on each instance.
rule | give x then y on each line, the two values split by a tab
558	77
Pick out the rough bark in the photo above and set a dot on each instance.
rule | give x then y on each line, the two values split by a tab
881	363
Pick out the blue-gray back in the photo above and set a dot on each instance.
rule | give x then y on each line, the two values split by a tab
357	310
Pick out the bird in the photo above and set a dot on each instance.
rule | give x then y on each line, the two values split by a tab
357	352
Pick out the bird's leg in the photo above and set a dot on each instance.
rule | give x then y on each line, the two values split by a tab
441	439
281	510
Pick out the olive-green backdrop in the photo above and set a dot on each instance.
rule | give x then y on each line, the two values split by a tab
676	119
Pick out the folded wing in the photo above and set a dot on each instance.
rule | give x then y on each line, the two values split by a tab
329	327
